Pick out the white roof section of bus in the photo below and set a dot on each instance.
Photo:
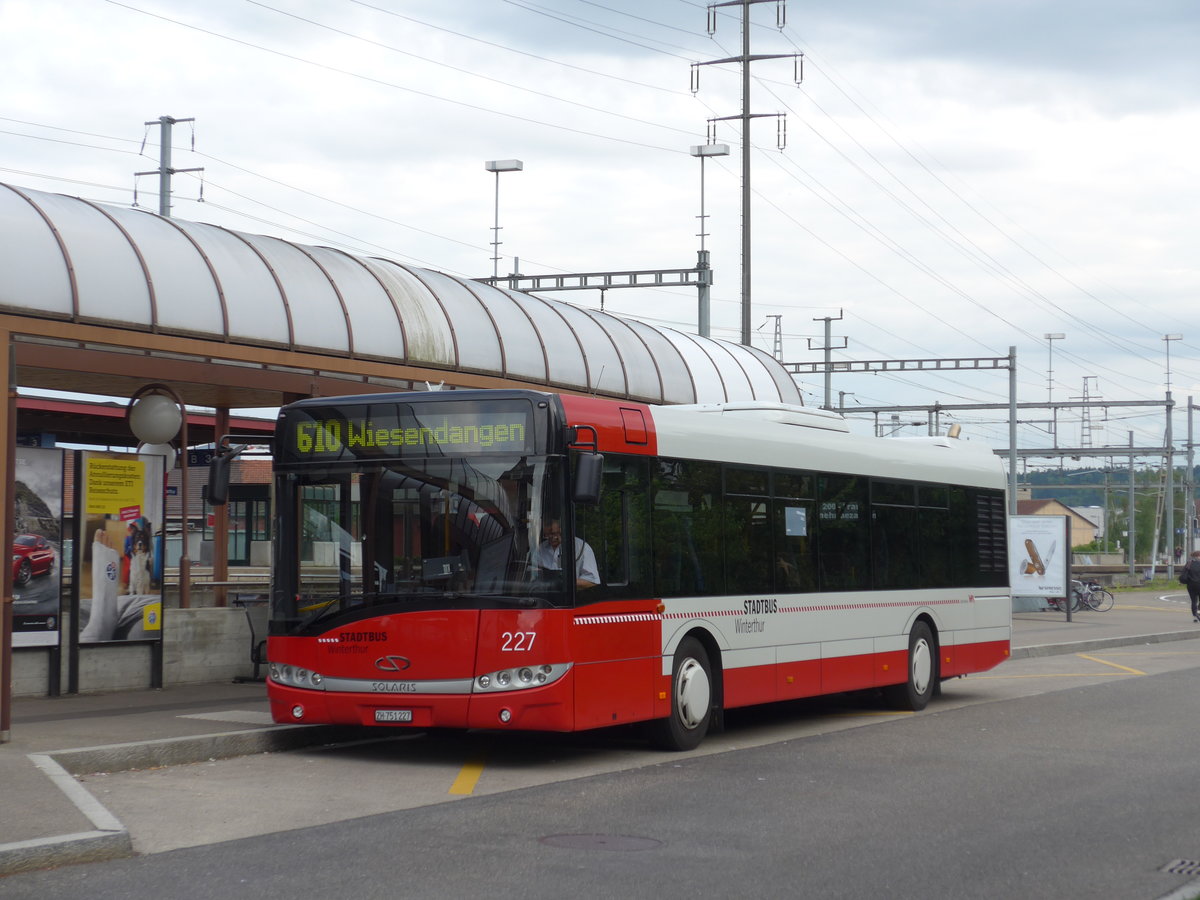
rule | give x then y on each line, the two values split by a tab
775	439
63	257
784	413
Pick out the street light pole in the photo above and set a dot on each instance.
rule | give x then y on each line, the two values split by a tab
498	166
156	414
1170	486
1170	489
1132	511
1189	504
1167	338
701	152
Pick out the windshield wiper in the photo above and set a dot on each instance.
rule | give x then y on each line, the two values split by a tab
329	608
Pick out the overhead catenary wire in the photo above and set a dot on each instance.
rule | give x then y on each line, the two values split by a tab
868	264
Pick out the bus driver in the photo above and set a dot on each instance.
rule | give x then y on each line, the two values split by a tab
548	553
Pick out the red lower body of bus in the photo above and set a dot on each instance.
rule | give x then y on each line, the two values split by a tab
616	661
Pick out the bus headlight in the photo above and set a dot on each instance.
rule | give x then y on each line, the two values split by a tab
296	677
520	678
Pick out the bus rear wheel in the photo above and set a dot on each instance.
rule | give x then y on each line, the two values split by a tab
691	700
921	681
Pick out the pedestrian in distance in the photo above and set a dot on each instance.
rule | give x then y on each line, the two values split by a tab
1189	576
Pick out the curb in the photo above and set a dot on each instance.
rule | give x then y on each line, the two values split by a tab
67	849
110	839
1100	644
200	748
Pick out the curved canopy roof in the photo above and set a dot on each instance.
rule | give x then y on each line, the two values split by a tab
64	257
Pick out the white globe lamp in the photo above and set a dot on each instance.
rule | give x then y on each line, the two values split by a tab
166	451
155	418
156	414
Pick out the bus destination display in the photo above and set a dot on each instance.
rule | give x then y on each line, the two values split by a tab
391	431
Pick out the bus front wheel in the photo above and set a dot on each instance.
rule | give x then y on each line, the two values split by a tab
691	700
922	678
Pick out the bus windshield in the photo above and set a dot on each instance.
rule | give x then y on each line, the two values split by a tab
416	534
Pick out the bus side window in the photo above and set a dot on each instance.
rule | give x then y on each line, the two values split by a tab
687	529
935	538
843	543
794	567
894	555
748	532
618	530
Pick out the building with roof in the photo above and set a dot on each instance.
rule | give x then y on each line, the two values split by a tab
1083	529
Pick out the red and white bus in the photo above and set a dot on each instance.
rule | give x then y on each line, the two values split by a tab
724	556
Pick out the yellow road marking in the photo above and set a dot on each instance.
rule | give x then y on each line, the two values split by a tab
1105	662
468	777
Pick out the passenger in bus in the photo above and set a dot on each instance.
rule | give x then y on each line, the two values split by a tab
549	552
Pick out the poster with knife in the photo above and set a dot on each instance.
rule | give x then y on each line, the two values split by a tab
1039	552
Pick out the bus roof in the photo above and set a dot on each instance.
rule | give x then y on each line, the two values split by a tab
769	435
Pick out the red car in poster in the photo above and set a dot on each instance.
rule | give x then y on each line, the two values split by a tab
31	555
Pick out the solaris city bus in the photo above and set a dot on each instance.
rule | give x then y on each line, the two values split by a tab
723	556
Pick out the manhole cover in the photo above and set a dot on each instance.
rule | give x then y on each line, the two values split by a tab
600	842
1182	867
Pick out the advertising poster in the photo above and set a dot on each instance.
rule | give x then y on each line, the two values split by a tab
37	551
1040	555
119	596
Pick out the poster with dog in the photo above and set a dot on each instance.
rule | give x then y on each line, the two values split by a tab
120	600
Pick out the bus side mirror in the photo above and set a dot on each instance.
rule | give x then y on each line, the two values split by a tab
588	469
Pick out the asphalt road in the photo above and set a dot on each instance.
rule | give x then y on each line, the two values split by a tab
1063	777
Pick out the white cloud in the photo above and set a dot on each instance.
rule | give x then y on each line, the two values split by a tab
959	178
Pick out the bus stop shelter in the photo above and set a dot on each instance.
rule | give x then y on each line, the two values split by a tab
104	300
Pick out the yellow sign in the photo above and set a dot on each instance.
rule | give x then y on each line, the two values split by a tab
114	485
152	617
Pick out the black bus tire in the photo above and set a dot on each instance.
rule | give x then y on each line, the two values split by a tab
691	700
921	680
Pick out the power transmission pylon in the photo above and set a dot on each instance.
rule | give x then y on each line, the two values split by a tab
745	58
164	170
777	347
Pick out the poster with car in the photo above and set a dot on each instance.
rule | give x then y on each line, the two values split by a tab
1039	552
37	550
122	514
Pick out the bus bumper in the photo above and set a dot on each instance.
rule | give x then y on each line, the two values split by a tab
538	709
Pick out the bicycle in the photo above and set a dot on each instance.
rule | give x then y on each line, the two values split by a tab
1087	594
1090	593
1059	603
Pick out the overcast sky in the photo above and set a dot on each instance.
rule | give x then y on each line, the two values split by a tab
959	176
